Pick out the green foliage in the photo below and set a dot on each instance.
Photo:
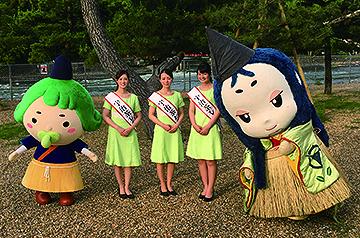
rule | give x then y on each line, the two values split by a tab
36	31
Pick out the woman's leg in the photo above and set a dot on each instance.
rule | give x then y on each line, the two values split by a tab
160	174
119	179
127	173
203	175
169	175
212	169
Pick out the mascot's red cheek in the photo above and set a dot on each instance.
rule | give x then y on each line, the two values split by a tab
29	125
71	130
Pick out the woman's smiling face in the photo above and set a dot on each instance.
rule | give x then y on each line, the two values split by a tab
165	80
123	81
263	105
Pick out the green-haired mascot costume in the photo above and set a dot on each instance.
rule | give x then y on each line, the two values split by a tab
56	111
287	171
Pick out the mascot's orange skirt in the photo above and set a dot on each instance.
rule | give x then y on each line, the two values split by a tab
54	178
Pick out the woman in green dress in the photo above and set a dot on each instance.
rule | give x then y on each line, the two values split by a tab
166	111
204	141
122	113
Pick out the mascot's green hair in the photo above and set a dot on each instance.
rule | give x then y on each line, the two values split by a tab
66	94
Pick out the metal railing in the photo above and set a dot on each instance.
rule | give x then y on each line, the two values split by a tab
17	78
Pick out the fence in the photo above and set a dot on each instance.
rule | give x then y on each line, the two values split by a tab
16	79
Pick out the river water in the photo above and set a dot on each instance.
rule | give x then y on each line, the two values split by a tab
183	81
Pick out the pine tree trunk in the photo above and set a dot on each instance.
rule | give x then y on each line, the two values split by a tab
328	74
296	56
262	16
112	62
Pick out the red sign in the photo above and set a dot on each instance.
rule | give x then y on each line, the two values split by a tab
43	69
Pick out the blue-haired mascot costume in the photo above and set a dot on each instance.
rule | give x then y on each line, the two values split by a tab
287	171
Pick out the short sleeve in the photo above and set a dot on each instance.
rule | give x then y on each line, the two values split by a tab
29	142
151	104
212	98
78	145
137	107
180	100
107	105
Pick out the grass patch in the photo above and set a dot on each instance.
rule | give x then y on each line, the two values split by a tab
352	127
323	103
355	121
12	131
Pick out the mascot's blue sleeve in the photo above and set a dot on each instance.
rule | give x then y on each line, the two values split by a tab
29	142
78	145
317	124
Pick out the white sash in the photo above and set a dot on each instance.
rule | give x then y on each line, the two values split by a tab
165	105
121	107
202	102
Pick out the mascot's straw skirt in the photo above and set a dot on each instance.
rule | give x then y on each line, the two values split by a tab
287	196
56	178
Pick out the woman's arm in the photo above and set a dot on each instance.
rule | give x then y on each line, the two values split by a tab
107	119
138	117
154	119
192	117
136	122
205	129
177	124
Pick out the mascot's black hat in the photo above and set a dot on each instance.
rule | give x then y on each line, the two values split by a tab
227	55
62	69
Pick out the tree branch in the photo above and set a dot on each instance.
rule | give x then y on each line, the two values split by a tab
342	18
112	62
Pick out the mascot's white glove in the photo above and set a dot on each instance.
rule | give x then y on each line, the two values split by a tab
15	154
286	148
89	154
248	173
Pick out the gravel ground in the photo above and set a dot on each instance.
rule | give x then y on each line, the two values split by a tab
99	212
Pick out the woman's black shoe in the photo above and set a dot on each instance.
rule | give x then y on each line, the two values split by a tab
173	193
201	196
206	199
164	194
130	196
122	195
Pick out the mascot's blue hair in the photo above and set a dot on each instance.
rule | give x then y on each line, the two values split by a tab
305	112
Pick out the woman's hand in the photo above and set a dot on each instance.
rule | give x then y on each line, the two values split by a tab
120	130
173	128
166	127
204	131
197	128
126	131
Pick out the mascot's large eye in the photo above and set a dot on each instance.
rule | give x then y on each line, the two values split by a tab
33	120
245	117
66	124
277	101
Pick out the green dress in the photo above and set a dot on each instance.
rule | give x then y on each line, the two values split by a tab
167	147
123	151
206	147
